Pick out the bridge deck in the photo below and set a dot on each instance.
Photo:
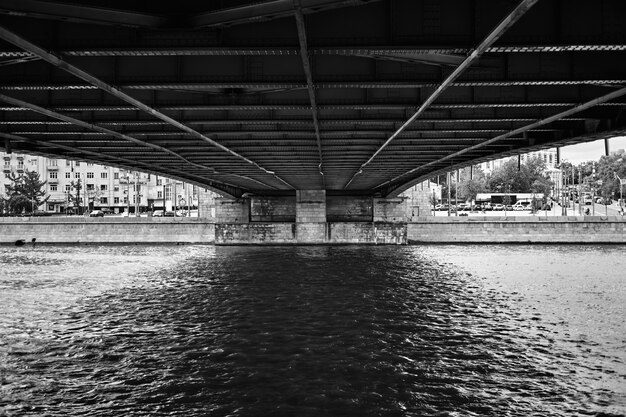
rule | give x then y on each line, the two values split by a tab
364	97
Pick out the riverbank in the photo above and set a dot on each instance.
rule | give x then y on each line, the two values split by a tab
474	229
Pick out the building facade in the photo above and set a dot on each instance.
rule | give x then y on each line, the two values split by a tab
76	186
548	156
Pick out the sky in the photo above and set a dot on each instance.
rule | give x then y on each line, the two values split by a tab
591	151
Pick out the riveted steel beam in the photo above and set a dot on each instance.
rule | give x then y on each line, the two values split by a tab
508	21
113	133
306	64
222	188
80	14
97	83
265	11
591	103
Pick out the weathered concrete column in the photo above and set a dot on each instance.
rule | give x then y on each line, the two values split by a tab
311	216
206	204
390	220
391	210
232	210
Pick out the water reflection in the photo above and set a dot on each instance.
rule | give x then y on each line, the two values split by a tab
382	331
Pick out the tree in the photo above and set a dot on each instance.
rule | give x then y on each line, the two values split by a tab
528	178
74	199
468	188
25	193
608	167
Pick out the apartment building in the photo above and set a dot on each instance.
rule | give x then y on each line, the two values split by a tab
101	187
548	156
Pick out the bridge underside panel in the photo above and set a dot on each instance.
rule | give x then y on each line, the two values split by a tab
268	97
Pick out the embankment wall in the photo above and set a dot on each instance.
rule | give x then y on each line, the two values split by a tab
427	230
531	229
82	230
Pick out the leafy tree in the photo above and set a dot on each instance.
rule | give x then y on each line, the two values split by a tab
468	188
528	178
74	199
433	200
607	169
26	192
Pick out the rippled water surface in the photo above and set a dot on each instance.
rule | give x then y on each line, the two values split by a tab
313	331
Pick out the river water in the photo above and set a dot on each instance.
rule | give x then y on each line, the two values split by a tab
313	331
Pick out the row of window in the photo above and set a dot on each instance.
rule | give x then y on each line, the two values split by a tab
103	175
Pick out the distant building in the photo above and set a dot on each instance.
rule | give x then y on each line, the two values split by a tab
548	156
102	187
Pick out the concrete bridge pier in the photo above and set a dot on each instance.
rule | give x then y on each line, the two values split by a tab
309	217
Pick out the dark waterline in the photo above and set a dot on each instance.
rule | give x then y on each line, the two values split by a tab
312	331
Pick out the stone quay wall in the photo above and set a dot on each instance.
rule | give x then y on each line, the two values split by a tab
86	230
529	229
82	230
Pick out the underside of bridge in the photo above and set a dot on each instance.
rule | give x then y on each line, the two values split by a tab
362	97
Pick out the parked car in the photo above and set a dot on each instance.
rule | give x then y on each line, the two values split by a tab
168	214
96	213
521	206
157	213
498	207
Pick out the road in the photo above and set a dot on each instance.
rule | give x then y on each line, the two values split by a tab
600	210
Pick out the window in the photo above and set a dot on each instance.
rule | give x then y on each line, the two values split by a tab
51	207
53	187
103	187
159	194
116	188
90	175
52	162
52	174
125	200
20	164
68	175
67	163
159	182
104	175
77	175
89	165
90	187
103	200
116	200
68	188
77	163
116	175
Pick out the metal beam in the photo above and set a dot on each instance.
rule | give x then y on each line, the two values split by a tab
80	14
508	21
265	11
306	64
232	190
618	93
449	56
58	62
113	133
262	87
